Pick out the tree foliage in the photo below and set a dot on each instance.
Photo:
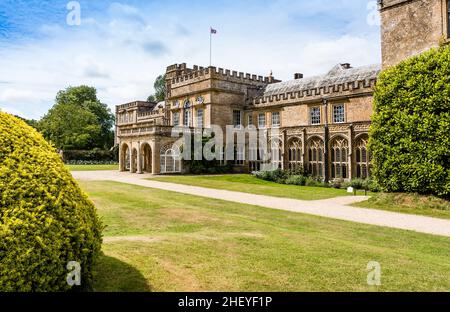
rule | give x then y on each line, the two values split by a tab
160	90
70	127
410	133
78	120
46	221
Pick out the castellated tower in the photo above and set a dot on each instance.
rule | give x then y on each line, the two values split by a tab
409	27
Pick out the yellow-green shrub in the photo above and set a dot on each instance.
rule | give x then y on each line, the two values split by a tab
46	221
410	132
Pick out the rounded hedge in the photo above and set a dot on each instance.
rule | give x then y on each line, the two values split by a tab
410	132
46	221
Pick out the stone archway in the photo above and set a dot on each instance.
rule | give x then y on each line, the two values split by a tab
125	160
316	163
146	156
362	157
339	152
276	153
295	157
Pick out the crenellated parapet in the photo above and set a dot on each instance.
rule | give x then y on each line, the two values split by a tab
140	105
340	81
179	75
138	112
312	93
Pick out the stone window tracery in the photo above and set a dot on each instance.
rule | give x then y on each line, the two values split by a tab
362	158
295	154
315	157
276	153
339	158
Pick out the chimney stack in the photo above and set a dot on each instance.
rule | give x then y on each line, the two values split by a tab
346	66
271	77
298	76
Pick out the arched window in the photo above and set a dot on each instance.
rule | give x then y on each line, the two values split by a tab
170	159
295	154
276	153
315	157
339	158
362	157
187	114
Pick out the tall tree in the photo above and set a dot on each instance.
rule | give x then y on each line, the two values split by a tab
78	120
160	90
70	127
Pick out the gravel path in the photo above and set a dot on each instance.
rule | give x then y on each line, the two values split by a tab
336	208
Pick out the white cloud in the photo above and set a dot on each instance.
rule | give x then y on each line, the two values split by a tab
14	96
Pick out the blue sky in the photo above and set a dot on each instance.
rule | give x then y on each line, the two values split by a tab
121	46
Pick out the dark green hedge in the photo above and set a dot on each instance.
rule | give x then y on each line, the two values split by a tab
410	133
46	221
95	155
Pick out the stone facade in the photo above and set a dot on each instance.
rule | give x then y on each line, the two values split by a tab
409	27
197	98
317	124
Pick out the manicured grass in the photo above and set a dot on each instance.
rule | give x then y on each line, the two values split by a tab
162	241
92	167
249	184
430	206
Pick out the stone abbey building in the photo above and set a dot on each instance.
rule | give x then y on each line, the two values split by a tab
322	122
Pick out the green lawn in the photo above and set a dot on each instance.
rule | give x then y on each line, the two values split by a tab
409	203
162	241
92	167
249	184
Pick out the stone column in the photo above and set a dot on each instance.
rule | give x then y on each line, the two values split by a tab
285	156
121	159
155	157
350	152
131	159
326	147
304	147
139	159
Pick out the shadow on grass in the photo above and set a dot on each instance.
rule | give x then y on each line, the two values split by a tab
113	275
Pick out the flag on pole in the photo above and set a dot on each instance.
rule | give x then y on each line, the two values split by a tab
211	32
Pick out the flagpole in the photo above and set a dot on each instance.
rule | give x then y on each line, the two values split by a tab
210	46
